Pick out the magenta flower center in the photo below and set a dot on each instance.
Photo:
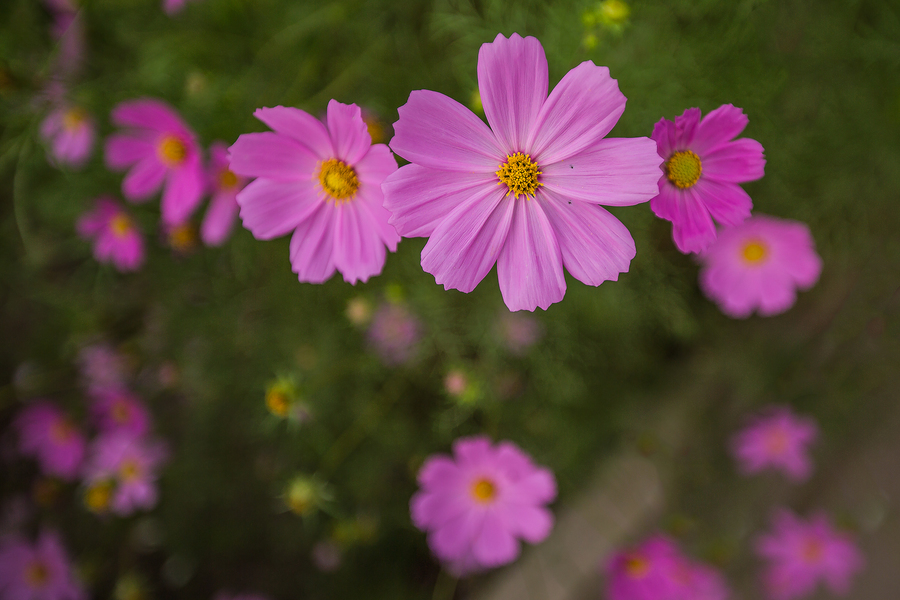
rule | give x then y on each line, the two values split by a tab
74	118
338	179
120	225
484	491
97	496
36	574
683	169
172	151
519	173
227	179
754	252
636	566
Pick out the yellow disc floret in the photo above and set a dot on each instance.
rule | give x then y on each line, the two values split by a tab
637	566
338	179
227	179
683	169
172	151
120	225
483	490
74	118
37	574
754	252
520	174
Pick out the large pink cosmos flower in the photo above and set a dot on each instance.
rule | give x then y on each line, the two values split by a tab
69	130
117	239
117	409
223	207
477	504
323	182
47	434
162	152
776	438
121	472
523	194
701	174
799	554
759	265
39	571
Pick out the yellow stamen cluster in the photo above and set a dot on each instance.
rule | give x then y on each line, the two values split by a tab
172	151
683	169
519	173
120	225
338	179
484	491
74	118
636	566
97	497
754	252
183	238
130	470
37	574
227	179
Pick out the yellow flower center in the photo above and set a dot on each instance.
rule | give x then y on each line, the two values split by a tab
120	412
338	179
97	497
120	225
227	179
519	173
182	238
62	431
812	550
776	441
130	470
277	402
683	169
754	252
74	118
636	566
172	151
37	574
484	491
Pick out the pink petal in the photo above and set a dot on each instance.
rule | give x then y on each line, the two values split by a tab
183	192
312	245
270	209
147	113
271	155
431	511
358	251
665	136
686	126
735	162
300	126
539	487
219	219
530	266
439	472
472	451
719	126
529	522
727	203
512	79
369	203
438	132
494	545
123	150
454	540
349	133
375	166
144	179
777	293
372	170
692	227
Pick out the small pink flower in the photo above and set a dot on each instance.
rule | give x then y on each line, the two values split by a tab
70	132
173	7
127	467
48	435
223	207
116	237
776	438
117	409
323	182
477	504
394	333
519	331
800	554
703	167
759	265
39	571
102	366
162	152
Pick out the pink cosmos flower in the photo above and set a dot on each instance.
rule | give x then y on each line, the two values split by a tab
523	193
223	207
173	7
121	472
161	152
48	435
702	170
477	504
759	265
39	571
69	131
323	182
117	409
116	236
799	554
102	366
776	438
394	333
518	331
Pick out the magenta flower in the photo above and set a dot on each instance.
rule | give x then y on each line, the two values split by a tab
69	131
121	472
702	170
117	409
477	504
116	236
323	182
776	438
39	571
523	194
48	435
223	207
799	554
759	265
394	333
161	152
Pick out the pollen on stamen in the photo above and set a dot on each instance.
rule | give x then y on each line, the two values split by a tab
684	169
338	179
519	173
172	151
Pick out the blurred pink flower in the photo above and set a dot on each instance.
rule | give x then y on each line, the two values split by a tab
102	366
776	438
394	333
117	409
48	435
116	237
173	7
161	152
703	167
800	554
323	182
223	207
127	465
519	331
68	29
477	504
39	571
759	265
69	131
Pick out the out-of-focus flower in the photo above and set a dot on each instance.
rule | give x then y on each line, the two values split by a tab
778	439
116	237
117	409
48	435
160	151
305	495
359	311
38	571
394	333
759	265
703	167
548	153
518	332
102	366
462	387
611	15
800	554
374	125
283	400
477	504
122	469
323	182
223	207
69	130
68	29
173	7
326	555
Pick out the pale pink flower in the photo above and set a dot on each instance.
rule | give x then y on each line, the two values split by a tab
128	467
518	331
800	554
69	131
759	265
323	182
778	439
524	193
477	504
223	207
48	435
38	571
173	7
102	366
394	333
117	409
703	167
117	238
161	152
